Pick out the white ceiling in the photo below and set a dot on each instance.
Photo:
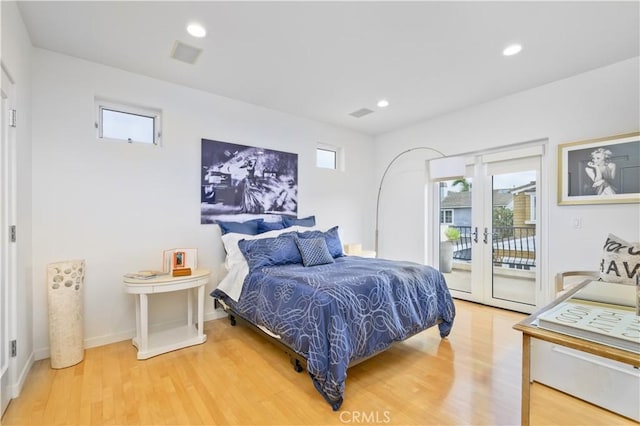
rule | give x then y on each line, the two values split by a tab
324	60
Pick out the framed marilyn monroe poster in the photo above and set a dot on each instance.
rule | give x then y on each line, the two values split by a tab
600	171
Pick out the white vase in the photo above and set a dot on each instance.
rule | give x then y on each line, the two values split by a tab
446	256
65	283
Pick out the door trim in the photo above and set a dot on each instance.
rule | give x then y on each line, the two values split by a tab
8	250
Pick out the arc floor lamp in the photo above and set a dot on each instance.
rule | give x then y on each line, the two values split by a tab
440	168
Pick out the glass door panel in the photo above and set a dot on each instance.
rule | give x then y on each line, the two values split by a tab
513	237
457	234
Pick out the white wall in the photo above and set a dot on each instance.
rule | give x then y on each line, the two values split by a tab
595	104
15	56
118	205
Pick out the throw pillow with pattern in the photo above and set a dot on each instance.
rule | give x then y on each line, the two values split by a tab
620	261
314	251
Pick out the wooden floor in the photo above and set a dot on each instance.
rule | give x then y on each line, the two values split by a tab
239	378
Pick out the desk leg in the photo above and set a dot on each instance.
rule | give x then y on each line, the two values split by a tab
190	307
201	311
526	379
144	323
136	340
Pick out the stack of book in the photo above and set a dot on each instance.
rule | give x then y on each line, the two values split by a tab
145	275
601	312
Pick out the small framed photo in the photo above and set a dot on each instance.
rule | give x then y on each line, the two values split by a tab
600	171
179	258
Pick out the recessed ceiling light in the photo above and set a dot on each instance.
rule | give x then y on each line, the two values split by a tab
196	30
511	50
383	103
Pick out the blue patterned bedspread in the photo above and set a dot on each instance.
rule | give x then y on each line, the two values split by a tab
338	313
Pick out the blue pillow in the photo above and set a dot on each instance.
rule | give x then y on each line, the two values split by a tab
249	227
270	226
281	250
332	238
314	251
307	221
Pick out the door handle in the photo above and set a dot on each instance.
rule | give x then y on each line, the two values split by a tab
486	234
475	235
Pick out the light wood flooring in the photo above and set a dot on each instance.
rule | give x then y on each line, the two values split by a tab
239	378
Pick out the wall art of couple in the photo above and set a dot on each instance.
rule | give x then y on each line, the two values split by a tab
240	182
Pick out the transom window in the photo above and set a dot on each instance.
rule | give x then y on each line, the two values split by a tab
326	158
127	123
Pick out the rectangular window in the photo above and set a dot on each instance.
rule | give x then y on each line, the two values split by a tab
446	216
127	123
533	200
326	158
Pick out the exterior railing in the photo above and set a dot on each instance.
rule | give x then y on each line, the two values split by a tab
513	246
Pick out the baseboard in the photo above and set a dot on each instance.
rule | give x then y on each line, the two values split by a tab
214	315
16	388
42	353
94	342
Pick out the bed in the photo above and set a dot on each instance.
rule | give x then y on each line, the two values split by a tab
333	312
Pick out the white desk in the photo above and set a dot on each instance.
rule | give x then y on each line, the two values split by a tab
530	330
152	344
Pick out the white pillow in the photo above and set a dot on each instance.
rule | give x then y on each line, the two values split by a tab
230	241
620	261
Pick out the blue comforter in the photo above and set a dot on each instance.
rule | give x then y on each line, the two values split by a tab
337	313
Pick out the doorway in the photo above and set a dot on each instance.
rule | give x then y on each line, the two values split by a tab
489	227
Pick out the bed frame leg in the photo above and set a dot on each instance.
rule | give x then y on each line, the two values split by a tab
296	365
232	320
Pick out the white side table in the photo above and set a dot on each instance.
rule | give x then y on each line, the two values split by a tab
152	344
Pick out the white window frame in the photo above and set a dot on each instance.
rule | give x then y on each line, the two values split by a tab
532	207
338	164
443	213
155	114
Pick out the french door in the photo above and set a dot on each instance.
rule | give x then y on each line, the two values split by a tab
494	256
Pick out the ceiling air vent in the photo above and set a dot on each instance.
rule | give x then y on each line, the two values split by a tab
361	112
185	53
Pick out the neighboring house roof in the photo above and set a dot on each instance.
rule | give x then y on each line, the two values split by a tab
459	200
455	200
531	186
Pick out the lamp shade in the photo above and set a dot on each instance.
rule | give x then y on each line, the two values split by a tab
447	168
